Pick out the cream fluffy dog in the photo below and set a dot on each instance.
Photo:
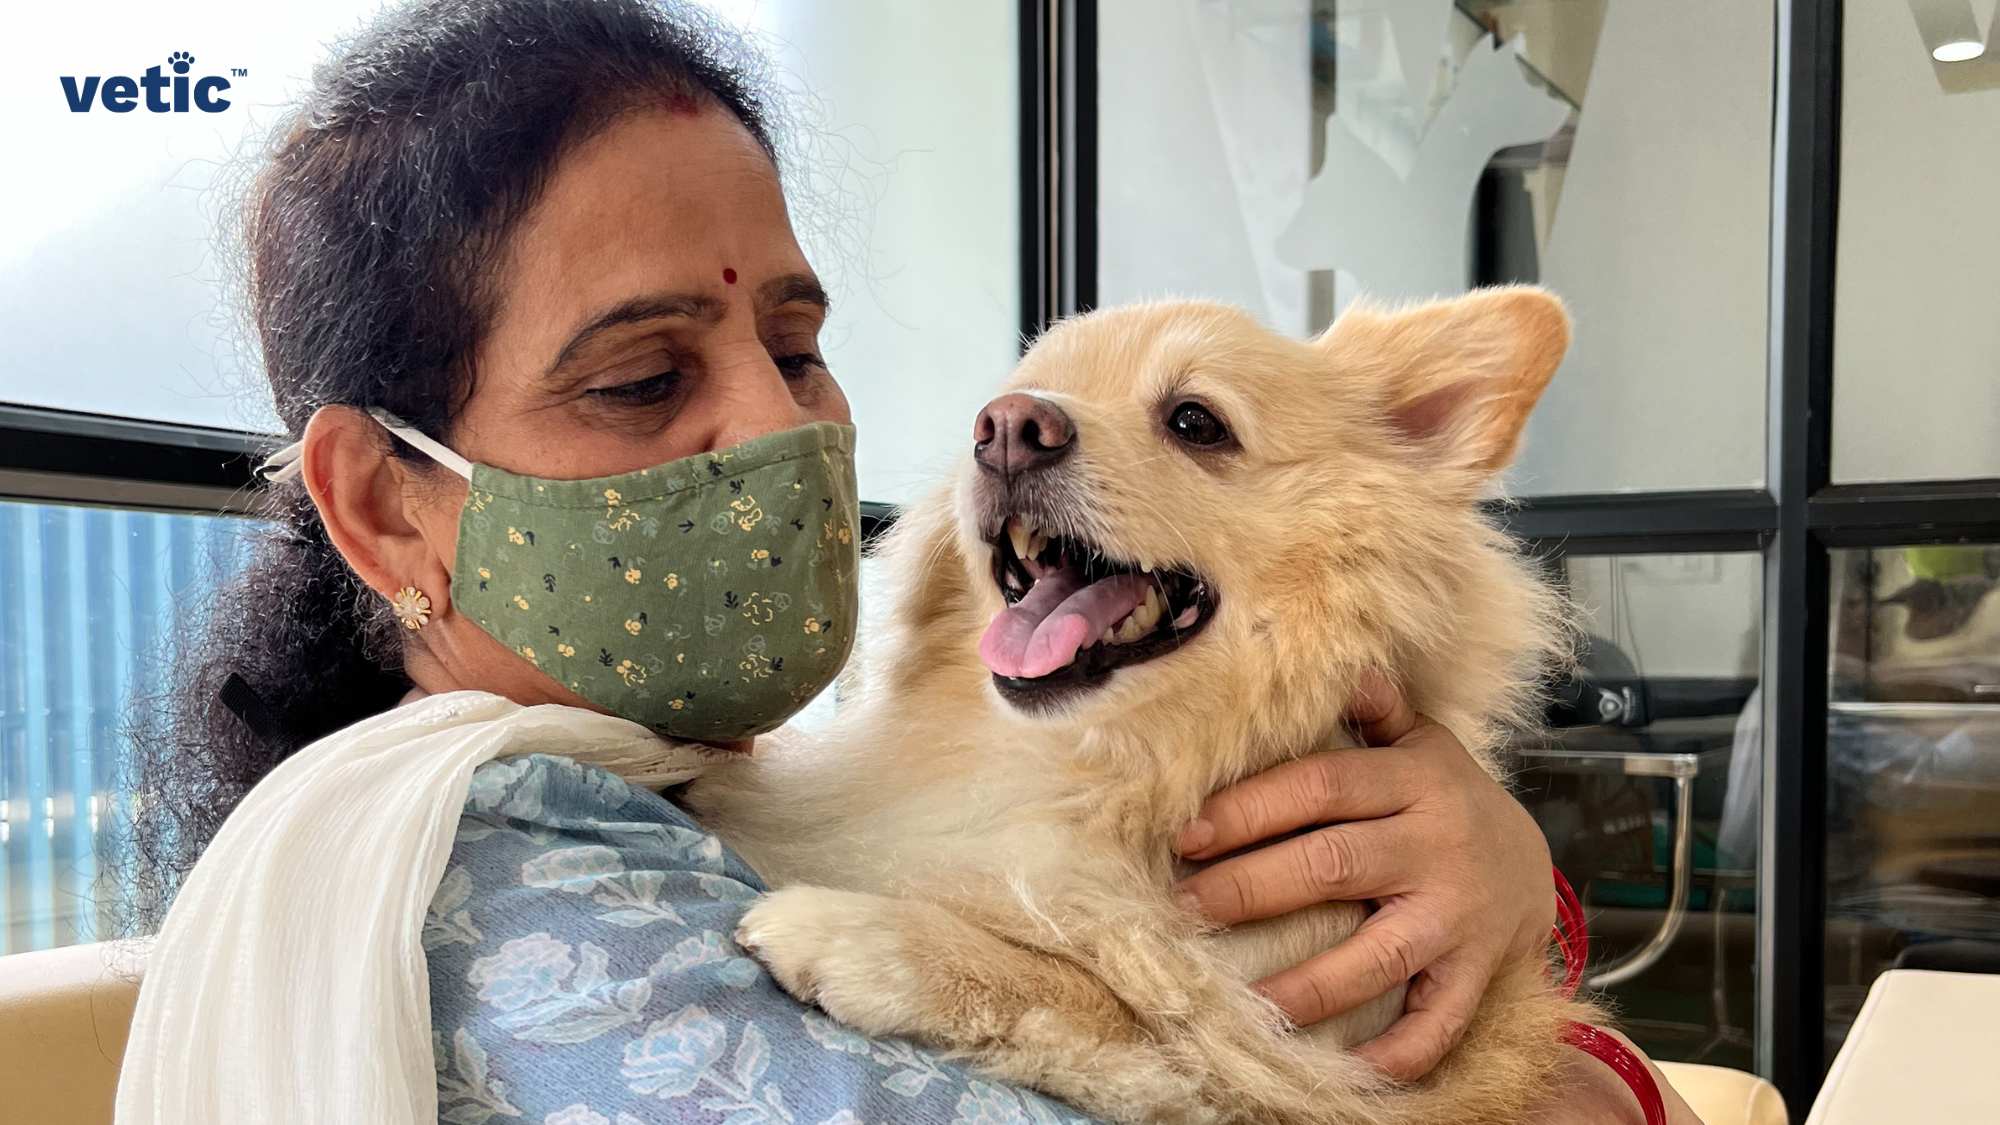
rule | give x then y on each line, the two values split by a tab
1209	535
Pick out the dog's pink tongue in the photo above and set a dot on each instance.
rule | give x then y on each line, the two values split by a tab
1046	628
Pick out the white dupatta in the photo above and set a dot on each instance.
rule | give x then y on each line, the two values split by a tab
289	983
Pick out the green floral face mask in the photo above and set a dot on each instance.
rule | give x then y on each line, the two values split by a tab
707	598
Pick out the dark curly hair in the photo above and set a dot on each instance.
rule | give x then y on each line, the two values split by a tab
368	238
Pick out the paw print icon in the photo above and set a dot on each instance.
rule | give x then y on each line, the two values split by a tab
180	61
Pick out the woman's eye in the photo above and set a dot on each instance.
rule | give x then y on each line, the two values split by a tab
800	365
1192	423
657	388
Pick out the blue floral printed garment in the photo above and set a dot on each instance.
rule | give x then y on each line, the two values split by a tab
583	973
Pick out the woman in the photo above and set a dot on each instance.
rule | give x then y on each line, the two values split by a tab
540	245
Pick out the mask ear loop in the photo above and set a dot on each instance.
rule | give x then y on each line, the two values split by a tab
425	443
286	464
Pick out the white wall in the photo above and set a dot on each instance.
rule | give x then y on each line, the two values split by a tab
1675	615
1916	339
906	198
1203	118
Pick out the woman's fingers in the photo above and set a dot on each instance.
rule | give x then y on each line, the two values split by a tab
1344	862
1388	949
1380	712
1336	785
1439	1009
1333	785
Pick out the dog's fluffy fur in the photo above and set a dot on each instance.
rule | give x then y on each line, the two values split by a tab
996	883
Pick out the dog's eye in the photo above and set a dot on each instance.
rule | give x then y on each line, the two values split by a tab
1192	423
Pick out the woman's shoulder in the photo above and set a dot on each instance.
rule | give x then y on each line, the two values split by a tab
544	822
539	794
583	968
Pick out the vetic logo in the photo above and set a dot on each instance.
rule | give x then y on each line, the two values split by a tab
163	93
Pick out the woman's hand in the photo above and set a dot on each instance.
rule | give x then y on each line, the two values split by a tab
1458	869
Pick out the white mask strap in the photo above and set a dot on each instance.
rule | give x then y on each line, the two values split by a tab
423	441
287	463
284	464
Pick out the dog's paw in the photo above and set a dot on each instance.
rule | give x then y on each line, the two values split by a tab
782	932
837	949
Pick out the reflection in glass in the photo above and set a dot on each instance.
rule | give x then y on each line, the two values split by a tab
88	601
1293	155
1648	792
1913	768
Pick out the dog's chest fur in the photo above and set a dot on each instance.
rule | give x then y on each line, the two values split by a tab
960	802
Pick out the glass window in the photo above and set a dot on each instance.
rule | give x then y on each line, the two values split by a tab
88	597
1913	768
1648	790
114	287
115	295
1290	156
1916	344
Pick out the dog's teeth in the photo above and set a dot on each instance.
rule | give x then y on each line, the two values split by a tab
1037	543
1019	537
1107	637
1146	616
1145	568
1130	630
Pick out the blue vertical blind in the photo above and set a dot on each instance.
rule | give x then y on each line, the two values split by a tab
89	600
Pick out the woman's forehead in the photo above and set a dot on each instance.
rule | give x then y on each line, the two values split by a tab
658	200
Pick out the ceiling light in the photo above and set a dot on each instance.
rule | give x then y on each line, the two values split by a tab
1959	50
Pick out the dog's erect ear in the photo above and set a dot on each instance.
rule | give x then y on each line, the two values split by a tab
1458	376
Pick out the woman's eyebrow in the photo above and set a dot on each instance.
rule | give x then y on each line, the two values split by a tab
792	287
658	306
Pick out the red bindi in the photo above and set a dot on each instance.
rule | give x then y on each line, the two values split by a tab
728	276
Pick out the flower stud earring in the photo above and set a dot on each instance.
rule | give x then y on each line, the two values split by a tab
412	607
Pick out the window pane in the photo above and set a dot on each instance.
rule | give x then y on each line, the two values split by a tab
1913	768
113	287
1290	155
88	599
1648	791
1916	342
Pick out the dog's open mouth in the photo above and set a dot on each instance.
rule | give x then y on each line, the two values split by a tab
1075	615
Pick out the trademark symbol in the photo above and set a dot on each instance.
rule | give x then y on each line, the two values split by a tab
238	72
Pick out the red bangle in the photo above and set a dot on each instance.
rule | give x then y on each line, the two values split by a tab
1572	937
1620	1059
1571	933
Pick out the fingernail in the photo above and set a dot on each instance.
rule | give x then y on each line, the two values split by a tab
1197	835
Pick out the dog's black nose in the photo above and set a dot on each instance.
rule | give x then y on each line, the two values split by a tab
1017	433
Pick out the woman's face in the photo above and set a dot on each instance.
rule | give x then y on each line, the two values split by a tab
653	304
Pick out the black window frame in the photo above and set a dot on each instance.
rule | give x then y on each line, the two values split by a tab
60	456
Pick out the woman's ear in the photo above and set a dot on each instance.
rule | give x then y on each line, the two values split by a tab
1458	377
383	519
